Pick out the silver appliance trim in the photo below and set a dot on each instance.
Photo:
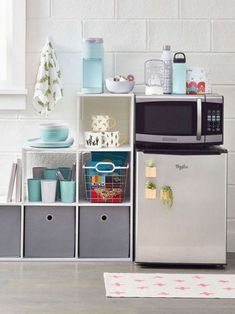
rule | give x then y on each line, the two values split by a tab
214	98
144	98
218	138
136	236
168	138
199	119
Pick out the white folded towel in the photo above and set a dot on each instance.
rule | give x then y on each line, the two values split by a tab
48	89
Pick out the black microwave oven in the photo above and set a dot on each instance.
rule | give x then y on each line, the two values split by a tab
179	119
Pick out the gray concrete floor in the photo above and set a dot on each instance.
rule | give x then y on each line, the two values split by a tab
40	287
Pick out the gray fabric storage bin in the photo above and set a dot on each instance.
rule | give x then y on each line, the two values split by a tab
49	231
10	226
104	232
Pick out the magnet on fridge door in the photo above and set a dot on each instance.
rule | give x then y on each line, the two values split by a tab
150	190
150	169
166	196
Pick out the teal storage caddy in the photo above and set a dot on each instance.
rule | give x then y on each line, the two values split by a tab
105	177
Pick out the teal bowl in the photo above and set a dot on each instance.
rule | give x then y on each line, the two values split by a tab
54	133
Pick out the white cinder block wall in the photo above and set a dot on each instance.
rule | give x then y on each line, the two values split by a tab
133	31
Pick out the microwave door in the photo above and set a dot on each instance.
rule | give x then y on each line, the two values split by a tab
169	121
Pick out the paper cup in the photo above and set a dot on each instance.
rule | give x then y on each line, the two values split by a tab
50	174
48	188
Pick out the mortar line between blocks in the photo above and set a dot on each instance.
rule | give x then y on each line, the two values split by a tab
211	35
82	29
115	9
147	35
115	63
51	8
179	9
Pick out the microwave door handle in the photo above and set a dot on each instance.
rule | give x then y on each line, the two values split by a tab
199	119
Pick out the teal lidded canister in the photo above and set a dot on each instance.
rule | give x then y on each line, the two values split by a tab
179	73
92	65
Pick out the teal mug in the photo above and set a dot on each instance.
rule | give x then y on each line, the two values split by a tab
68	189
34	190
50	174
65	171
38	172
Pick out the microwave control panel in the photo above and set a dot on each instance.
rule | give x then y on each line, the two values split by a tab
214	119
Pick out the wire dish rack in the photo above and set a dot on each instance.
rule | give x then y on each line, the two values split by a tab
105	182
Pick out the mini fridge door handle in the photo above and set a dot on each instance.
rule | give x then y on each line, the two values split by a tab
199	119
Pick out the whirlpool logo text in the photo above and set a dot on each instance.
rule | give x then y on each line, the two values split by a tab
181	167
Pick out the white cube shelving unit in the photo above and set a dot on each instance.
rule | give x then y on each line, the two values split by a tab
121	107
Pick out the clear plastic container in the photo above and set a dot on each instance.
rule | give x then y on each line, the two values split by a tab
154	77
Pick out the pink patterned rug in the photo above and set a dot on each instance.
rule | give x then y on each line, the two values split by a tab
136	285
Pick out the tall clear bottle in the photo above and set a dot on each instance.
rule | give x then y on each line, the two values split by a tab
92	65
167	59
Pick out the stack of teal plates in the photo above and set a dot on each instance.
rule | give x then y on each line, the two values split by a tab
38	143
52	135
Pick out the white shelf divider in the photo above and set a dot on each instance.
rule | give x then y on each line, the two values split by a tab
122	148
87	203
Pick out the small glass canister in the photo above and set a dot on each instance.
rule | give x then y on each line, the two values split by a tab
154	77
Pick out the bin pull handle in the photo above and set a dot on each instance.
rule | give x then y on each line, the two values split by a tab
96	167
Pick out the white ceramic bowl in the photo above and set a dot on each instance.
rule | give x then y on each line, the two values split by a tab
119	87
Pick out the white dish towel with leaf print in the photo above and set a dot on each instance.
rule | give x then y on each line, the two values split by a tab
48	89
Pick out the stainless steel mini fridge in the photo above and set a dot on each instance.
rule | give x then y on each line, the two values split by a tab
181	206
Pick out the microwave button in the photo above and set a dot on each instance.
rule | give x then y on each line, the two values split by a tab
217	129
208	118
218	112
218	118
213	112
209	129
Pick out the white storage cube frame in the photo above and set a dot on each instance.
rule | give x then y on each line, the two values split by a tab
77	151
